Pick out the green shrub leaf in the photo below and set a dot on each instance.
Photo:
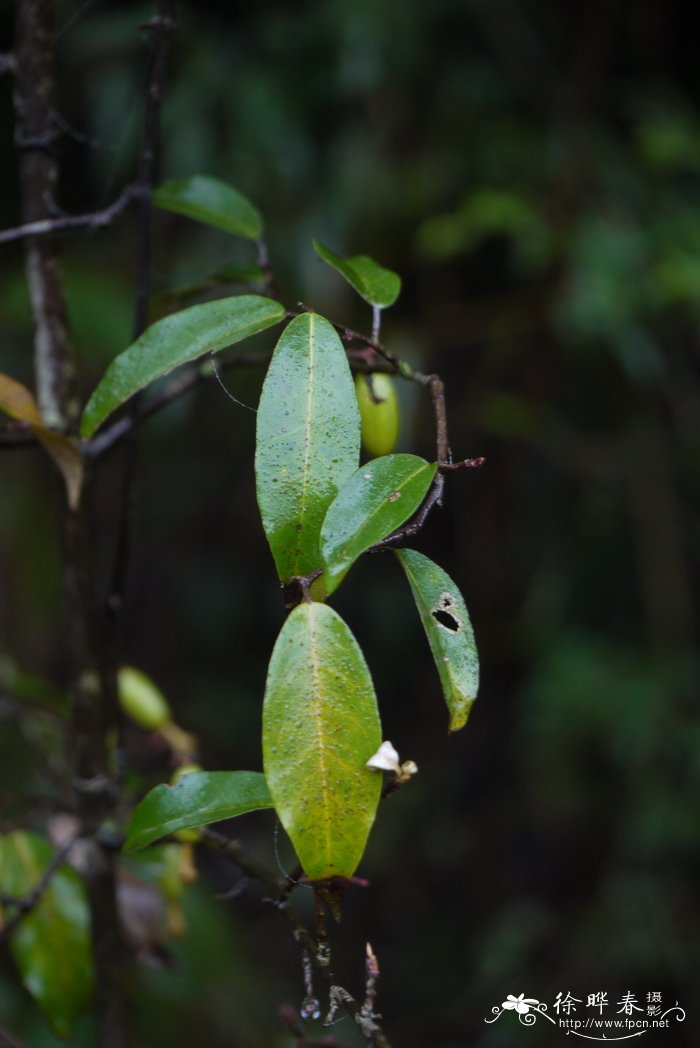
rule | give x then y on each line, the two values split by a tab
377	285
174	340
308	440
320	727
51	944
209	200
199	798
450	635
376	500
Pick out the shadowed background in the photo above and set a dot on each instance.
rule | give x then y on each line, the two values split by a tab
532	170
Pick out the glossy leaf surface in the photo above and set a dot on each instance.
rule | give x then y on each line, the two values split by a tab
51	944
377	285
449	631
376	500
198	799
212	201
320	727
174	340
308	440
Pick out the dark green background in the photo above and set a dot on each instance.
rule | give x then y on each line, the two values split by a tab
532	169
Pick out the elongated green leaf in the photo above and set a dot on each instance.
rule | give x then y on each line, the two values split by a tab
374	502
51	944
199	798
377	285
450	635
320	727
308	440
175	340
212	201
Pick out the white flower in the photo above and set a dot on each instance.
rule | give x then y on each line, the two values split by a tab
387	759
520	1004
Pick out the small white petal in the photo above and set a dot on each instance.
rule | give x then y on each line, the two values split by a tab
385	759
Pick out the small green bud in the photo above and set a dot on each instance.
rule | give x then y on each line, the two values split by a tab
141	699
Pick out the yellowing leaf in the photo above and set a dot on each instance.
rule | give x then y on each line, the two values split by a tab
320	727
17	401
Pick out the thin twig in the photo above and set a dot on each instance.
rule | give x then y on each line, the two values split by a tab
91	220
181	382
10	1040
279	897
26	903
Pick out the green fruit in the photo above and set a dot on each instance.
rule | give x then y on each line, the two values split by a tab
141	699
379	411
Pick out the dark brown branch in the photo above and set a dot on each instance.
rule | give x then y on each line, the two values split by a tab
161	28
92	220
91	688
414	525
279	892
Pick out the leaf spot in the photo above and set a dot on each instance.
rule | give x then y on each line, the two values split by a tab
395	495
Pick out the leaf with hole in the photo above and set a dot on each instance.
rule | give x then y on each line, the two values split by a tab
174	340
51	944
449	631
377	499
211	201
308	440
199	798
378	286
320	727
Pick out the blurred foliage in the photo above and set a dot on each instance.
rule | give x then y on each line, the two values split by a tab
532	172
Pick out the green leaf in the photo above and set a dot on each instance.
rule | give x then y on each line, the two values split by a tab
450	635
51	944
175	340
320	727
308	440
209	200
200	797
377	285
374	502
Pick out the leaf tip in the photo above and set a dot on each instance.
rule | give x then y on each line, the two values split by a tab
460	717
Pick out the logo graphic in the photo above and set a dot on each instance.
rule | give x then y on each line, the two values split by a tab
624	1025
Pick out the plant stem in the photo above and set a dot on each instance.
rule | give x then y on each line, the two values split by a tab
91	688
38	170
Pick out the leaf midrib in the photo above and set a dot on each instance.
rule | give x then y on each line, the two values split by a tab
318	724
307	439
